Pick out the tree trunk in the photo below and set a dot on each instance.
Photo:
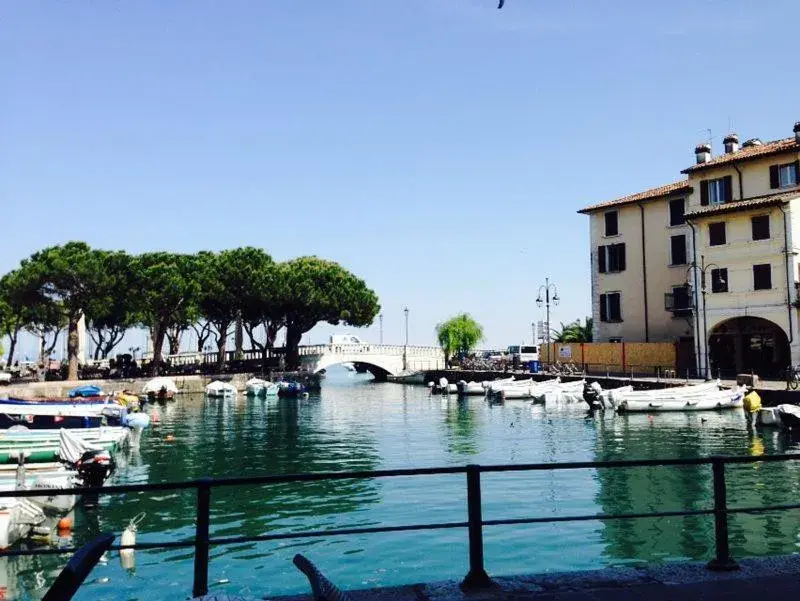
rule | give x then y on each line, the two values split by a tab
272	333
174	340
158	342
238	337
11	348
222	345
293	337
72	347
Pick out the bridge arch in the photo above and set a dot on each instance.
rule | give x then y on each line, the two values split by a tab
377	367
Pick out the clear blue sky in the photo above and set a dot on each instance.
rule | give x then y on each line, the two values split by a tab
438	148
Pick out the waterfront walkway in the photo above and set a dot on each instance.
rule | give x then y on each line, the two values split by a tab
775	578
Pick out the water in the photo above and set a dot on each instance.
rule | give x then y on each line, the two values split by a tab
355	424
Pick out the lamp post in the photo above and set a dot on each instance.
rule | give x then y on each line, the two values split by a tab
702	269
405	348
546	288
533	333
380	320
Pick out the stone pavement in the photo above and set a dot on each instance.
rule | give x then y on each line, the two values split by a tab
773	579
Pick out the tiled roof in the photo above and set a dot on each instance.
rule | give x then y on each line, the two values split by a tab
681	187
744	205
746	154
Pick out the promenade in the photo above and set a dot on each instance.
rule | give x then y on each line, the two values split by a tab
775	578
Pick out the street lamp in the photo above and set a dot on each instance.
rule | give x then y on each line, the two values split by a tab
405	311
546	287
380	319
405	348
702	268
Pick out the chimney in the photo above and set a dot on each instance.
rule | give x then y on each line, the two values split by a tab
731	142
703	152
797	132
752	142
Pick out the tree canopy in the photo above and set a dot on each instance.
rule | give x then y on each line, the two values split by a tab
168	293
459	334
575	332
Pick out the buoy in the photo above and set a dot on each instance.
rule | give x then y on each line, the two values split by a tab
128	538
64	524
169	438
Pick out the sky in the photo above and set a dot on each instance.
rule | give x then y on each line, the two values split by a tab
439	149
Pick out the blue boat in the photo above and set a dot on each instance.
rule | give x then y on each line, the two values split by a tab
85	391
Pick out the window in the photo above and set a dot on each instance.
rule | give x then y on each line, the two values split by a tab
762	277
612	223
716	233
610	309
784	176
719	280
678	244
611	258
760	226
716	191
680	298
677	208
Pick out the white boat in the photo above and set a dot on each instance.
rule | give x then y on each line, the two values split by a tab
671	394
408	377
160	388
565	392
471	388
5	377
498	385
516	392
606	399
217	389
498	381
259	387
17	518
707	401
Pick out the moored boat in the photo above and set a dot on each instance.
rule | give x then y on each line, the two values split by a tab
704	401
218	389
471	388
162	389
60	413
259	387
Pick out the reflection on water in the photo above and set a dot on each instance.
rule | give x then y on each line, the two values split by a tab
355	424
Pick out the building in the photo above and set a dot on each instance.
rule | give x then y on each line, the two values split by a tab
709	262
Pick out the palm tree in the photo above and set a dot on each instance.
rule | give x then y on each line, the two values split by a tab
575	332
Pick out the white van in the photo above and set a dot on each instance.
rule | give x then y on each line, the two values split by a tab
524	354
346	339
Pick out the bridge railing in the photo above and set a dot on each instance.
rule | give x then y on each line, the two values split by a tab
474	523
375	349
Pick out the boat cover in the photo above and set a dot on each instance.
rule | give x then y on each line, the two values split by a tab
156	384
84	391
72	447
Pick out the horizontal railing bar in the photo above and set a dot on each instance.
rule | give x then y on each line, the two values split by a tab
763	509
597	516
361	475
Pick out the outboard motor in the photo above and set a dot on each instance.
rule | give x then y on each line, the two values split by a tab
94	467
591	395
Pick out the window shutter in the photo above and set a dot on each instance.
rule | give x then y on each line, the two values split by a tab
614	307
774	177
621	256
603	311
797	172
728	183
601	259
704	192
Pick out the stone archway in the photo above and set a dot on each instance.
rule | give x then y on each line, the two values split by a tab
748	344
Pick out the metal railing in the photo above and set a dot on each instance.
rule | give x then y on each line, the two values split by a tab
477	576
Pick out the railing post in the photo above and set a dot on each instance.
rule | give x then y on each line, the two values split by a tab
201	545
723	562
477	576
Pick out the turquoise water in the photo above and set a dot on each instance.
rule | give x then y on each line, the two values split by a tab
355	424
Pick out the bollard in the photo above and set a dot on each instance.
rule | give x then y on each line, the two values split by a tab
723	562
477	576
201	545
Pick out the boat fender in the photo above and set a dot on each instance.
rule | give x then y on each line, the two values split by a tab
128	538
752	402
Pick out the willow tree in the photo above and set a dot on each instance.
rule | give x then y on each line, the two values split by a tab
167	282
314	290
458	335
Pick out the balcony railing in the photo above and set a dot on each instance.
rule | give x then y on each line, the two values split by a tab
679	305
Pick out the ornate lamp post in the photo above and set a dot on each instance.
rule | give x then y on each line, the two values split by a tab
405	348
546	288
380	319
702	269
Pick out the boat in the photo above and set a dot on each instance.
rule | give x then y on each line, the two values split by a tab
349	366
597	398
408	377
471	388
703	401
516	392
561	392
259	387
673	393
60	413
291	389
43	450
85	391
218	389
789	415
162	389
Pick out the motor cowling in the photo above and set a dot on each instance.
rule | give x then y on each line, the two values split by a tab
94	467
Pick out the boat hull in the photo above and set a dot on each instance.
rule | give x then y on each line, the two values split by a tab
712	401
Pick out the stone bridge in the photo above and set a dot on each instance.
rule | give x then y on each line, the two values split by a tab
380	359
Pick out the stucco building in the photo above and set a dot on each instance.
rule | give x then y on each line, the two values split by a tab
709	262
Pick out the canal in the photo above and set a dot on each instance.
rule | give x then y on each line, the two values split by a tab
355	424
